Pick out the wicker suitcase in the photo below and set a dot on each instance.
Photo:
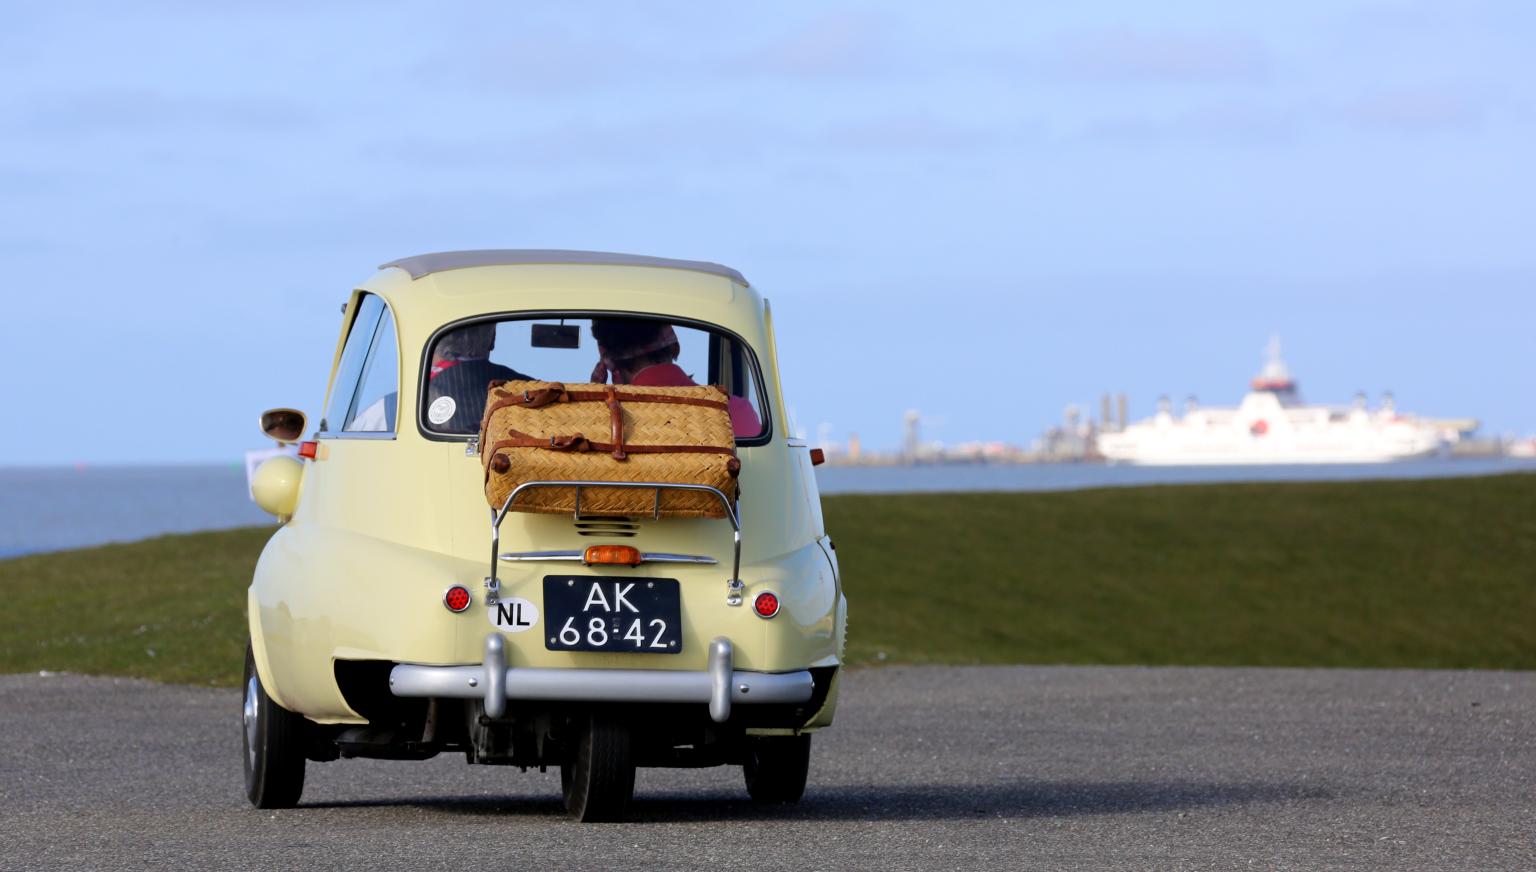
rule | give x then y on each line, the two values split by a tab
549	431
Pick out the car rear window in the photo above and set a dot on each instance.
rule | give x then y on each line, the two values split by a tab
621	349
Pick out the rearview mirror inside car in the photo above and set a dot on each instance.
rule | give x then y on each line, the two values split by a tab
556	336
284	425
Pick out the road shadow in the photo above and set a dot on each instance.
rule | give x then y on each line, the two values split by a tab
872	802
482	806
1024	799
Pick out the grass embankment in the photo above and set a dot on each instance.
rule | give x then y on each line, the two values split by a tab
170	608
1438	574
1432	574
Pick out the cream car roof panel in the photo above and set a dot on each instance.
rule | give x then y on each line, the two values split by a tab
422	305
427	264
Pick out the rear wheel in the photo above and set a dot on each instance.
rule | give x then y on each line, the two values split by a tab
600	779
274	746
776	768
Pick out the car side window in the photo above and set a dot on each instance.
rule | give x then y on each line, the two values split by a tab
379	394
353	355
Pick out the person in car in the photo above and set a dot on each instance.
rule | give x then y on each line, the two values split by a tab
644	353
461	374
456	385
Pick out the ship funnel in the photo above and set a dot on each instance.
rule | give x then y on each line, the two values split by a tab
1275	377
1191	405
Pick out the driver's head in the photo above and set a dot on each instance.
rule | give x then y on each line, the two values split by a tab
467	343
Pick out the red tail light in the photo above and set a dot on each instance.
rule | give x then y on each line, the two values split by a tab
618	555
766	604
456	598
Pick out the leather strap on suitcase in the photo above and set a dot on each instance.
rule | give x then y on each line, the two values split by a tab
538	431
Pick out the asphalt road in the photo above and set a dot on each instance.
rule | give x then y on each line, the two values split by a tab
927	768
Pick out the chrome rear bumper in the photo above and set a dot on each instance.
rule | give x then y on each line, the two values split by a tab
721	686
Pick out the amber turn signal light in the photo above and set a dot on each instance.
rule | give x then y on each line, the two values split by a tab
309	449
616	555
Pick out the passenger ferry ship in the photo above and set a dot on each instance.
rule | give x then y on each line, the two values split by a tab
1270	426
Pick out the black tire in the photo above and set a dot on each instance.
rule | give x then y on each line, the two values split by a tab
776	768
273	741
599	782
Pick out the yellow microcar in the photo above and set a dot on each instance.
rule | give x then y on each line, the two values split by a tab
395	614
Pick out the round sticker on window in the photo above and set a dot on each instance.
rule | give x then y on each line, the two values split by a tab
441	410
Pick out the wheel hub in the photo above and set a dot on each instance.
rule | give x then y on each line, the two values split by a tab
248	716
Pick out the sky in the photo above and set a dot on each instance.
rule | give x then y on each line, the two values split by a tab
981	211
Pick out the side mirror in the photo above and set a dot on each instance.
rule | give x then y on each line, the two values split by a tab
284	425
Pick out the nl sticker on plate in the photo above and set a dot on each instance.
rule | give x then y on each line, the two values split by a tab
441	410
513	614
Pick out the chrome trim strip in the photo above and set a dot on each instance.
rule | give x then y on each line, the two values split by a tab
665	557
536	556
576	556
328	435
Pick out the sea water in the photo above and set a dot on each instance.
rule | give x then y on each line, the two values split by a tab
51	508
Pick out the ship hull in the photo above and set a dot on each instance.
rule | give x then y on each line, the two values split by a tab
1265	432
1259	459
1271	427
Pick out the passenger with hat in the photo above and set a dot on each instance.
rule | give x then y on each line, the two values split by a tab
643	352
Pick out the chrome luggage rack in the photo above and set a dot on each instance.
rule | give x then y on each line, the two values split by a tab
733	585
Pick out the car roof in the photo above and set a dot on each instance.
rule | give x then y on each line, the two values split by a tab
426	264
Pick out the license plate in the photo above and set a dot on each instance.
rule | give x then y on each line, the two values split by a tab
587	613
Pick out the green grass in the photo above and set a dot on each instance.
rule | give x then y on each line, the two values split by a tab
1434	574
170	608
1437	574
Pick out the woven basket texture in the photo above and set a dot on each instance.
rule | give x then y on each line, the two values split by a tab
645	423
